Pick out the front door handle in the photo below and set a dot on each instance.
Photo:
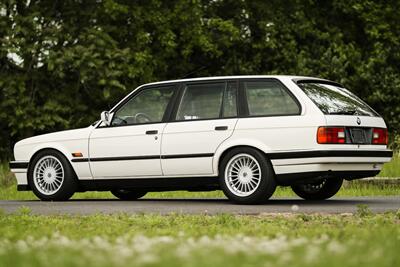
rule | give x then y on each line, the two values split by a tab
152	132
221	128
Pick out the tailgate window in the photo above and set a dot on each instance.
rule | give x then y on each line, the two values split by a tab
335	100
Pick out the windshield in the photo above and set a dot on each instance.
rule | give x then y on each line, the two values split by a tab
335	100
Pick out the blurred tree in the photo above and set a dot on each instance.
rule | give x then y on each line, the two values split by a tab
62	62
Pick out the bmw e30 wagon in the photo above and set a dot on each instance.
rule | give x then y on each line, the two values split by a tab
242	134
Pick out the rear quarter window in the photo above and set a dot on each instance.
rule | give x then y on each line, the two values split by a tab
269	98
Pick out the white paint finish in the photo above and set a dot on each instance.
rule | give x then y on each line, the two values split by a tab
82	170
125	141
281	132
125	168
66	142
188	166
350	147
193	137
22	178
19	170
327	167
350	120
346	160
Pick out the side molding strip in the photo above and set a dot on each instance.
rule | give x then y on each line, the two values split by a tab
179	156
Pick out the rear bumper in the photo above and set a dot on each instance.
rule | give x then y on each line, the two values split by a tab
302	166
304	177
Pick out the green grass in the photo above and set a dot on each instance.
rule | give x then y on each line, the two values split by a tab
392	168
200	240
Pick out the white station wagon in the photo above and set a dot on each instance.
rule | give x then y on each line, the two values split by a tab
242	134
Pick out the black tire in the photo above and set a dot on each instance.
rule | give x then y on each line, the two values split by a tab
68	186
319	190
266	186
128	194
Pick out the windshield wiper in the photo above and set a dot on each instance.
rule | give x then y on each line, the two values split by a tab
344	112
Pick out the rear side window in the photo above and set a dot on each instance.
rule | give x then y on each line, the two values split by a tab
201	101
335	100
208	101
269	98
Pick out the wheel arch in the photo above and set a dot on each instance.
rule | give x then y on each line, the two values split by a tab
224	149
43	148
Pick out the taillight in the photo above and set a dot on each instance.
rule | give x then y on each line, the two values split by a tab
380	136
331	135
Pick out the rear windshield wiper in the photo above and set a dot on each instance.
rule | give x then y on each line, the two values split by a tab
343	112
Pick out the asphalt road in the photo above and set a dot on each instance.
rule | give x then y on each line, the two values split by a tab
204	206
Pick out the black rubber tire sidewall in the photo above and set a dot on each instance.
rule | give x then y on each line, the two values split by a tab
267	185
329	189
69	185
128	194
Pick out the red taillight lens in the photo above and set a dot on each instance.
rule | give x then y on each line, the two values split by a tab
331	135
380	136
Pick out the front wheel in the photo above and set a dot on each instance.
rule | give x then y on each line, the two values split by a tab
128	194
319	190
246	176
51	177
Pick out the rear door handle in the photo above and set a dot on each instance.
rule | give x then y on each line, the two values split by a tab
152	132
221	128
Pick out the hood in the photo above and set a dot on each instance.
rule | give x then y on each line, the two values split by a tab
82	133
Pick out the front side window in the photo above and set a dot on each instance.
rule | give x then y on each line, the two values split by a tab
269	98
335	100
201	101
148	106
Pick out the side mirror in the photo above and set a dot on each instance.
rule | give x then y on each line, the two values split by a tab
105	118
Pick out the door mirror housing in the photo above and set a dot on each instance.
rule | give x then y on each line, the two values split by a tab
105	118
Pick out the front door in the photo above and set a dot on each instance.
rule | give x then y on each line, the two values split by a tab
205	117
130	146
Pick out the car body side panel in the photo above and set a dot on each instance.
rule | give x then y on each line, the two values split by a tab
193	138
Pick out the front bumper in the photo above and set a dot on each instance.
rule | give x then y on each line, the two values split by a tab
20	169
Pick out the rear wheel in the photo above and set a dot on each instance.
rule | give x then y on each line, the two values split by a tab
51	177
319	190
246	176
128	194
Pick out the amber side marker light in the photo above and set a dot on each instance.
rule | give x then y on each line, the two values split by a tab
331	135
380	136
77	155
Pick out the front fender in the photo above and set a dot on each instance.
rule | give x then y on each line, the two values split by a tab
82	169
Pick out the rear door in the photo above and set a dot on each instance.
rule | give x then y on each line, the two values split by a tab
205	115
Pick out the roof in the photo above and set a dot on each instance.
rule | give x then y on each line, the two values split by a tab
232	77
